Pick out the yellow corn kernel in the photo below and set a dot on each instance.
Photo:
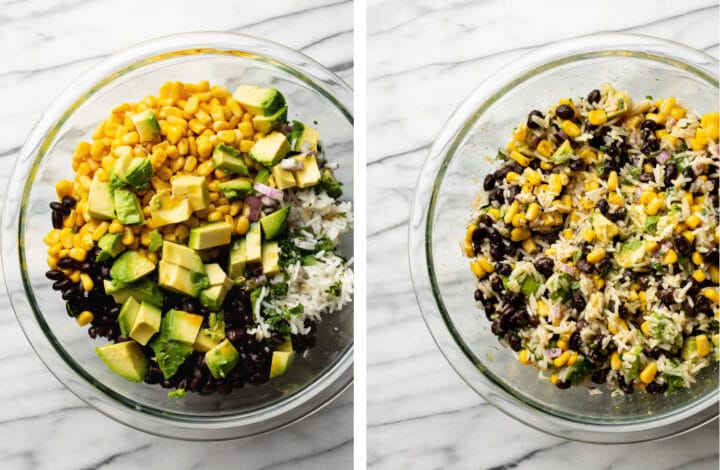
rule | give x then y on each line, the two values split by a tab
511	211
542	308
553	379
52	237
615	198
591	185
87	282
477	269
677	112
616	325
52	262
689	236
645	328
469	232
699	275
568	233
588	235
563	344
519	220
562	359
573	358
247	129
599	281
697	258
651	246
612	181
64	188
588	156
564	179
529	246
597	117
596	255
546	165
648	373
486	264
519	234
570	128
242	225
670	257
527	188
467	249
714	274
128	236
78	254
647	196
615	362
524	357
511	145
693	221
75	276
84	318
555	183
711	293
654	206
246	145
586	203
545	148
703	345
494	212
520	132
533	211
512	177
520	158
532	176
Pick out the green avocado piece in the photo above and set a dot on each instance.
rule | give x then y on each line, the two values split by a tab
281	360
210	235
208	338
139	173
262	176
213	297
131	266
259	101
101	204
146	125
169	354
166	209
236	188
181	280
270	149
110	246
221	359
229	159
146	324
579	370
181	326
127	315
216	276
270	257
182	256
274	224
194	188
689	348
265	124
329	184
125	359
528	286
119	170
156	240
204	342
143	291
128	207
253	249
631	252
303	137
237	258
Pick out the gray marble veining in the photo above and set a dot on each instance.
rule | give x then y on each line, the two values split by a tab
424	57
46	44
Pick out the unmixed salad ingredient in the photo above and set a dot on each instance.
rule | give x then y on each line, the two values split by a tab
595	244
200	235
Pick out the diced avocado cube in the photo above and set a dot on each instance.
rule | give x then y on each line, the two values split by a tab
329	184
284	179
182	256
577	372
253	249
194	188
169	354
146	125
181	326
101	204
131	266
689	348
125	359
128	207
631	252
237	258
310	173
286	346
204	342
236	188
270	258
259	101
274	224
210	235
213	297
139	172
127	315
563	153
156	240
270	149
143	291
228	158
166	209
216	276
303	138
181	280
265	124
221	359
262	176
281	360
120	169
147	323
110	246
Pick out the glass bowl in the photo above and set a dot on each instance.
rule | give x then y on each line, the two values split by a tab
313	94
452	174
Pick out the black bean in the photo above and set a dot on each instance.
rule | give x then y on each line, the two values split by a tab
62	284
489	182
67	263
575	341
613	151
496	284
690	174
513	191
603	206
667	297
648	124
57	220
490	311
585	266
479	234
593	96
682	245
479	297
670	173
599	376
530	122
562	384
576	165
545	266
654	388
68	203
58	207
618	215
604	266
627	388
650	146
565	112
54	275
503	269
623	312
514	342
495	195
496	328
578	301
596	142
651	353
712	256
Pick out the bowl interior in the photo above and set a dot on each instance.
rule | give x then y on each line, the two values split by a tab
467	159
307	101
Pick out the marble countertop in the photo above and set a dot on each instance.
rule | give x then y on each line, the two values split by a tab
46	44
420	413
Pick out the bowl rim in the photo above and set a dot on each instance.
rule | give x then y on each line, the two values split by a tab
420	235
257	420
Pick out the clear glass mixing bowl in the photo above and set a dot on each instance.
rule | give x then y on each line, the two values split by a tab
313	94
451	175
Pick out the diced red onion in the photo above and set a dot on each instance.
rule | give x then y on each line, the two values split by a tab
553	353
291	164
563	135
254	214
259	279
268	191
569	269
253	202
663	157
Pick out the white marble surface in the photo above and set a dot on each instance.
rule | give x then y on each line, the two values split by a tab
46	44
424	57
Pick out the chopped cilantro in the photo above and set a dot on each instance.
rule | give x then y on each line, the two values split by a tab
335	290
651	224
308	260
279	289
177	393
